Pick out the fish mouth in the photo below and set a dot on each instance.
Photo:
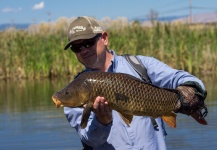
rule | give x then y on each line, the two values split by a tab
57	102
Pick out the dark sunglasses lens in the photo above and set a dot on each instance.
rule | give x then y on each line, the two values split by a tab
75	48
88	43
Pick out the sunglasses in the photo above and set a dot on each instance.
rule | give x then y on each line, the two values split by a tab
76	48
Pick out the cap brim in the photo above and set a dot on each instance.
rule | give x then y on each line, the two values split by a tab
80	37
67	46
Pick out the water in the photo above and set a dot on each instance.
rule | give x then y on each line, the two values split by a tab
29	120
189	134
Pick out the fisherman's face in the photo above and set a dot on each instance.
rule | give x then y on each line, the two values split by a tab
91	52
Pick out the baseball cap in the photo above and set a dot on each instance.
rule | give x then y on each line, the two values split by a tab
82	28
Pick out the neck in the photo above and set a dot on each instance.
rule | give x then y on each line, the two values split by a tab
108	61
105	62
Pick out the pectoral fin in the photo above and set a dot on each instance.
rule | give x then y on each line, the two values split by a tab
170	119
126	118
86	114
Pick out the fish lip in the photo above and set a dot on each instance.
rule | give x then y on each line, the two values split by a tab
57	102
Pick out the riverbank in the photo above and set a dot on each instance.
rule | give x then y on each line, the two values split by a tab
38	52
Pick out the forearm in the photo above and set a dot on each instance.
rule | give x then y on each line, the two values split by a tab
94	134
163	75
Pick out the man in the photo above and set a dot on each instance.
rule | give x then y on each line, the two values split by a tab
106	130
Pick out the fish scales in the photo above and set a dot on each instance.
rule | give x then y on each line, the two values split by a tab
128	94
124	93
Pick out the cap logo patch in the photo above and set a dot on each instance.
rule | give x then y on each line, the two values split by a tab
76	29
97	29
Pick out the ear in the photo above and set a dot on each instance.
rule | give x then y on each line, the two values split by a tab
105	38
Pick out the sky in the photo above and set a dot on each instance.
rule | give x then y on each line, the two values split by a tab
36	11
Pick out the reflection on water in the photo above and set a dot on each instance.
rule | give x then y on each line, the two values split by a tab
29	119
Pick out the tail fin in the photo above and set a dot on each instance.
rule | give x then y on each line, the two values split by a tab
197	116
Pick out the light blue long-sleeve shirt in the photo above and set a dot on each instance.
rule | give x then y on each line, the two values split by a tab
141	134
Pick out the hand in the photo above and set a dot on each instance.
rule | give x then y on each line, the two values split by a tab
102	111
190	102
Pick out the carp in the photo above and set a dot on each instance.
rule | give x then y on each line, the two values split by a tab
125	93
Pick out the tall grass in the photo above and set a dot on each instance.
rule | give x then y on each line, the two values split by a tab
182	47
40	54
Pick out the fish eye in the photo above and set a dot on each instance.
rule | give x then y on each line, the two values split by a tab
66	92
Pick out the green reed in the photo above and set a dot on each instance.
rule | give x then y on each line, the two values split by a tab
185	47
40	54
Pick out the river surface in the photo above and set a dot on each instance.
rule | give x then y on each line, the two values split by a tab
29	120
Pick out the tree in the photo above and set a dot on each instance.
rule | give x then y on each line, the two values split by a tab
152	16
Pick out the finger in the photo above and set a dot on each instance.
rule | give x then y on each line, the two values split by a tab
102	104
96	104
107	108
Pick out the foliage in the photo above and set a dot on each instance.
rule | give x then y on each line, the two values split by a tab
40	54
